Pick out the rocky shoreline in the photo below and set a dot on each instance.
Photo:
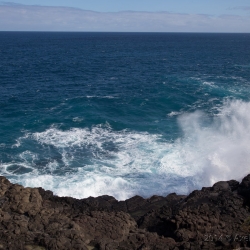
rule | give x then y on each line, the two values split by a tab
215	217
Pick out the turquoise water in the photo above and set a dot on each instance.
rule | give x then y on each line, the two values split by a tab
87	114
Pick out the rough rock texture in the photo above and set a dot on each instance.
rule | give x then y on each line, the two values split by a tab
212	218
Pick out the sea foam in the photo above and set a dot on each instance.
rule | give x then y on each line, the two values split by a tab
84	162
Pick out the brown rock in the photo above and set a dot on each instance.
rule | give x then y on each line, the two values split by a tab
211	218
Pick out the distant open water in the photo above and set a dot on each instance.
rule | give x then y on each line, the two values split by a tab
123	114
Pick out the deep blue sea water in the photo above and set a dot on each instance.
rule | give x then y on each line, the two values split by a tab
87	114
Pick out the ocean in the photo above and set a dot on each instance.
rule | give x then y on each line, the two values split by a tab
124	114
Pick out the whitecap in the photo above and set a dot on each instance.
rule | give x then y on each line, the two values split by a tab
174	113
126	163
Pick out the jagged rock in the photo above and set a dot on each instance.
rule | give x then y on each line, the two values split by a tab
211	218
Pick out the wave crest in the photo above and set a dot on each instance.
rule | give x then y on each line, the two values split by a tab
83	162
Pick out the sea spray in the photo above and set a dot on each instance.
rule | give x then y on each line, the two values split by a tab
87	114
126	163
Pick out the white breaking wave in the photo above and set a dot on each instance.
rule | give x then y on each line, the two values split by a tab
220	149
126	163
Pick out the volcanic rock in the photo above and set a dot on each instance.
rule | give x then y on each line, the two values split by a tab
215	217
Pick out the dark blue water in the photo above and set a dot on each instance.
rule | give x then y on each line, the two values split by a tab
124	113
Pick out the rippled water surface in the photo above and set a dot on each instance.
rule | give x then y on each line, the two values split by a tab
87	114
